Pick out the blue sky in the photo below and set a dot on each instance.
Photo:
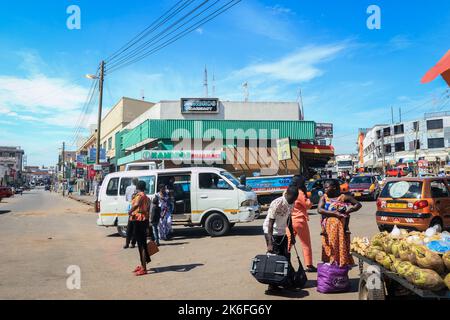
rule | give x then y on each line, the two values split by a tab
349	75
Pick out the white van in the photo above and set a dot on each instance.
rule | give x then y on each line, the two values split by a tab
208	197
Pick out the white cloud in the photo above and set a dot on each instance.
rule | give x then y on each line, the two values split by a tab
300	66
199	30
399	42
279	9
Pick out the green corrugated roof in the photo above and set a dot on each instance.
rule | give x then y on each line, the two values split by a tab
166	129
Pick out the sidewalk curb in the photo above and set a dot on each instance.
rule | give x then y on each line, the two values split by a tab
89	203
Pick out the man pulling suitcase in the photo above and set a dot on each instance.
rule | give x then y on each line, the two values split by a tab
278	265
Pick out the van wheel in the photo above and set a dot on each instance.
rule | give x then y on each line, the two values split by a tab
122	231
437	222
217	225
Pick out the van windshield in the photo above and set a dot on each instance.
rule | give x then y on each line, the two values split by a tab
402	190
358	180
234	180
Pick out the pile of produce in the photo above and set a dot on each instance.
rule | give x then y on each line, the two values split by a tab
422	258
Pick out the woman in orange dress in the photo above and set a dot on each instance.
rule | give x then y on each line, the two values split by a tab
335	209
300	220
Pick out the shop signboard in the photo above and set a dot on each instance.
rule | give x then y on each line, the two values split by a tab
182	155
284	149
199	105
324	130
93	155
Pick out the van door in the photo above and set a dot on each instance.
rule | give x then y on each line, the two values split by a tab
215	192
441	196
109	202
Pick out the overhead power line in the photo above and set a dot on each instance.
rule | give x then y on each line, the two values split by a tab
198	24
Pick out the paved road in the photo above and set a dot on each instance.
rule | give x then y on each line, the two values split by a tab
42	234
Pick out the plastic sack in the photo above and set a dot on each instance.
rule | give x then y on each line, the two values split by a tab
431	231
332	279
439	246
396	233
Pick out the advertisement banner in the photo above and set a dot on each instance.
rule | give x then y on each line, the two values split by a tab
284	149
182	155
324	131
93	155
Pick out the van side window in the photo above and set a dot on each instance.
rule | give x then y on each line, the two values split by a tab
438	189
212	181
113	187
124	184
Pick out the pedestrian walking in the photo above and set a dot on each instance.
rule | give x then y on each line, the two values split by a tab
335	209
276	223
165	220
140	214
130	192
300	219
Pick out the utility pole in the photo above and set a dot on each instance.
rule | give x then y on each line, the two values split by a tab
383	150
400	114
392	115
63	167
415	149
100	106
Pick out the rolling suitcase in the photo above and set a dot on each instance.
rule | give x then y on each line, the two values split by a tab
271	269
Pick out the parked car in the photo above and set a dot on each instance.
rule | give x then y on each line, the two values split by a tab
47	187
6	192
414	203
364	186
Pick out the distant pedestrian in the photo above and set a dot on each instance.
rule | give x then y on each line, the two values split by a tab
130	192
140	214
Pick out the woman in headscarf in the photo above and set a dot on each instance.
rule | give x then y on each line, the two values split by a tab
300	220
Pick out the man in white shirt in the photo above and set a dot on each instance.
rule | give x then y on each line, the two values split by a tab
129	193
276	223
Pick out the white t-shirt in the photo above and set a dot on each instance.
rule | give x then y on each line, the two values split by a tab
129	191
279	210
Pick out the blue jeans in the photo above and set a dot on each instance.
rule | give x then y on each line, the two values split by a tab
155	232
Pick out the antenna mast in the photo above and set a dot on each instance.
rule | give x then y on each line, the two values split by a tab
245	88
205	84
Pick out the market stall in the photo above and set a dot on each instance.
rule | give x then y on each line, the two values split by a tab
404	264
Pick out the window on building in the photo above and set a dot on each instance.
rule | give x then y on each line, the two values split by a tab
378	134
387	131
435	124
436	143
399	129
387	148
416	126
399	146
110	143
414	145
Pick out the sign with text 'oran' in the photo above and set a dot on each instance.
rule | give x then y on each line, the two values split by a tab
182	155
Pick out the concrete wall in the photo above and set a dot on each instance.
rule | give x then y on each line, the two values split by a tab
124	112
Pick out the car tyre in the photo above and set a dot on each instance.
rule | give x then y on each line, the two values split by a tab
217	225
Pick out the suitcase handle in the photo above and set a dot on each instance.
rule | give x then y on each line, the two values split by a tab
286	268
253	266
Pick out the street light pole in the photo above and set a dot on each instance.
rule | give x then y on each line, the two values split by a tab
100	106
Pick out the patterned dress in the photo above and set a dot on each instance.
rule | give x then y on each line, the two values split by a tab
335	241
165	223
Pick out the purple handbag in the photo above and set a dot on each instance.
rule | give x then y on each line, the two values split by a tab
332	279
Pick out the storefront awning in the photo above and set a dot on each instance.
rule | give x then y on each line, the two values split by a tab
316	149
441	68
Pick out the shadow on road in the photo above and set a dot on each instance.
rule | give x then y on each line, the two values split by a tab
4	211
172	244
179	268
199	232
297	294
